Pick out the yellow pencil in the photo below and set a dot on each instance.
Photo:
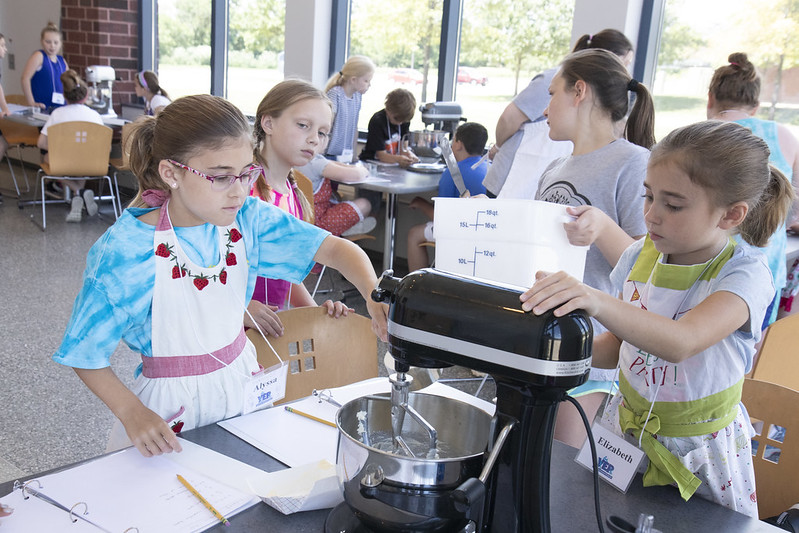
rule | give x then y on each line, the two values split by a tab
312	417
203	500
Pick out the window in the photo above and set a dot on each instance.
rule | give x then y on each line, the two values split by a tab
526	37
255	50
695	41
405	50
184	46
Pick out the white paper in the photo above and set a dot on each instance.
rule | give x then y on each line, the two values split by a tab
505	241
124	490
296	440
368	179
302	488
442	389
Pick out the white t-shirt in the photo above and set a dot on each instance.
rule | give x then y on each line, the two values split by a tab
159	100
72	113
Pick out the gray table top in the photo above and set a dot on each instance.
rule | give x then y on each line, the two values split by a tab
571	498
402	181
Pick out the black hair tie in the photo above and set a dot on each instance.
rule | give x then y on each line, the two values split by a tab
632	85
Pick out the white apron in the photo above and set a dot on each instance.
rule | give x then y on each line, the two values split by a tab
197	312
536	151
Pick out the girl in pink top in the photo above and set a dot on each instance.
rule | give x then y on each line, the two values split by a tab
291	126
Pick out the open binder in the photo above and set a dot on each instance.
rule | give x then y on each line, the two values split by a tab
123	493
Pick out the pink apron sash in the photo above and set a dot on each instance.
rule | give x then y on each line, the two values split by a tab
193	365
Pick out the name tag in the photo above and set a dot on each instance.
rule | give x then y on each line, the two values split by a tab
265	388
617	459
58	98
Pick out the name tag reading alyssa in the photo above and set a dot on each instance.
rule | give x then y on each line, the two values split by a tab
617	459
265	388
58	98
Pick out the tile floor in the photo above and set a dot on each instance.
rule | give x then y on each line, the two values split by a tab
48	417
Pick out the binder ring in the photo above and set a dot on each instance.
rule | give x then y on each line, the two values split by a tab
72	511
131	530
24	487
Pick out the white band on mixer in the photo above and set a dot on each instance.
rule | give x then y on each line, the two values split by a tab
490	355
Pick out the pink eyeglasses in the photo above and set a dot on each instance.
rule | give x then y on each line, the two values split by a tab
223	182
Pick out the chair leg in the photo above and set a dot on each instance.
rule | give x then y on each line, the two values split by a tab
44	203
116	193
318	281
13	176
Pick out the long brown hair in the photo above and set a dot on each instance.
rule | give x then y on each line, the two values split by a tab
147	79
186	127
277	100
731	163
611	83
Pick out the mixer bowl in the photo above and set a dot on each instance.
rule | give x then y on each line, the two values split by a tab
391	491
424	142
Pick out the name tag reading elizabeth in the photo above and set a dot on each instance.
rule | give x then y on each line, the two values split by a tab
617	459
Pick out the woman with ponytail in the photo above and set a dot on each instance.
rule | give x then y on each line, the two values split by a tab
147	87
734	95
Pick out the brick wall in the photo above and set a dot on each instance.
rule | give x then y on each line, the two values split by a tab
103	32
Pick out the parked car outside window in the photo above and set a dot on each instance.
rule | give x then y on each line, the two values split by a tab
406	75
471	75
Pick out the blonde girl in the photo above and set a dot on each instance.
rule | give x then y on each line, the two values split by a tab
172	276
691	301
41	77
148	87
345	89
287	136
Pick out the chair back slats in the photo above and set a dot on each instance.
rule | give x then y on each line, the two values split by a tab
777	483
322	352
79	149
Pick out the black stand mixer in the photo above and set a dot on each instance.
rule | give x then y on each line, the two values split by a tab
437	319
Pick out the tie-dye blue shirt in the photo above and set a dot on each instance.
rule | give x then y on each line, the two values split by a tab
115	302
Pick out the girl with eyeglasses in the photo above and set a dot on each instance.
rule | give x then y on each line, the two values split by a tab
173	275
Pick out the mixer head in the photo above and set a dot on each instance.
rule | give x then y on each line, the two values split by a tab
438	319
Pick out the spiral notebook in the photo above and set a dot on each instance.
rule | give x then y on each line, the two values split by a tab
125	492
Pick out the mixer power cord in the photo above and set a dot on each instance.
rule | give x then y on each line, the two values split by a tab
593	458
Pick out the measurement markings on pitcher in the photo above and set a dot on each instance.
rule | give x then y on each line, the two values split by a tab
484	225
473	261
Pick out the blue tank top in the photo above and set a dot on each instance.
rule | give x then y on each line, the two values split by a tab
775	249
47	80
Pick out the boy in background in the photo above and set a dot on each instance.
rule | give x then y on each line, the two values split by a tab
468	145
386	128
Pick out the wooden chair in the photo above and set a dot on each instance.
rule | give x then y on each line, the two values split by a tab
322	352
78	150
777	483
121	163
18	136
305	185
778	359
